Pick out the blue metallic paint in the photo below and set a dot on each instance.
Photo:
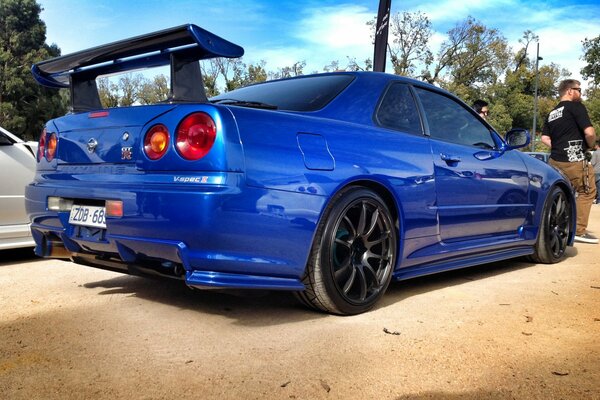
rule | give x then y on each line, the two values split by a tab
246	214
259	190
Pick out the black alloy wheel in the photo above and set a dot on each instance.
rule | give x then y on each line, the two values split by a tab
353	255
555	228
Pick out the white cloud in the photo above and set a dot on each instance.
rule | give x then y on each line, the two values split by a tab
322	35
341	27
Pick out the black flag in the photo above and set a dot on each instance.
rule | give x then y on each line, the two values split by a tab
381	35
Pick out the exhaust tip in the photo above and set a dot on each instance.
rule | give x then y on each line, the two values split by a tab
53	249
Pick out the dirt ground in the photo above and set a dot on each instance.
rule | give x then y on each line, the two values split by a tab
509	330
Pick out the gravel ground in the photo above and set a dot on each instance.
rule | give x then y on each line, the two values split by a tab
509	330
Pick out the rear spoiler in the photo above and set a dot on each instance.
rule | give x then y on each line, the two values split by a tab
180	47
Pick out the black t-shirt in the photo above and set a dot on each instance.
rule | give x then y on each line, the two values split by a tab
565	125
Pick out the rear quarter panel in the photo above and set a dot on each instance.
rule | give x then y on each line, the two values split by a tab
400	163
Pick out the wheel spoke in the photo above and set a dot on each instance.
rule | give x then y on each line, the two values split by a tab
362	280
385	236
344	243
555	244
362	221
374	220
343	269
350	225
350	281
368	268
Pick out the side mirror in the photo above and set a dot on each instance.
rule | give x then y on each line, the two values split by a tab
516	138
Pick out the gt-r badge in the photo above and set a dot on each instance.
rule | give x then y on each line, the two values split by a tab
125	153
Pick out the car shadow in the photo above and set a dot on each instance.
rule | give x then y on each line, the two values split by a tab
248	307
17	256
400	290
262	307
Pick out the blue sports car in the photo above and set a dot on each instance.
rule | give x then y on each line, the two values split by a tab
328	185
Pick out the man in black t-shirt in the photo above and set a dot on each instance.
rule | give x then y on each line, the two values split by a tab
569	133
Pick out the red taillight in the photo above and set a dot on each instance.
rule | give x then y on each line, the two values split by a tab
156	142
195	136
42	145
51	147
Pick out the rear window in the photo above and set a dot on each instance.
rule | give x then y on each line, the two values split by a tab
297	94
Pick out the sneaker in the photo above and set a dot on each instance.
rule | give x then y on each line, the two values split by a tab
586	238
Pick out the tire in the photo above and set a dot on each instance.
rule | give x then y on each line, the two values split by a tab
555	228
353	254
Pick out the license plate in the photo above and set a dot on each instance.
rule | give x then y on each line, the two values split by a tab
88	216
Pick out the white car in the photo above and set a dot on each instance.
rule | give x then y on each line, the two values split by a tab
17	169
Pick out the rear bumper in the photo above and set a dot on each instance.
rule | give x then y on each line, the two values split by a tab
225	236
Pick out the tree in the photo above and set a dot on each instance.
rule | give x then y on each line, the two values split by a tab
129	87
125	92
24	105
591	49
332	66
154	91
473	54
255	73
108	92
295	69
592	104
411	33
233	73
353	65
521	56
210	74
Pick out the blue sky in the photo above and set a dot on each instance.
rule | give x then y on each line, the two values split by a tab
282	32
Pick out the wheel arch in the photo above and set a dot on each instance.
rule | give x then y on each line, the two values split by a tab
386	194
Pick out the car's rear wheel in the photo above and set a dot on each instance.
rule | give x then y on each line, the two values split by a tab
353	254
555	228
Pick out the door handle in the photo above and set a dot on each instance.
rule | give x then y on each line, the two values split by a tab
449	158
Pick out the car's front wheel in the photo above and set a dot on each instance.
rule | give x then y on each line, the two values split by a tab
353	254
555	228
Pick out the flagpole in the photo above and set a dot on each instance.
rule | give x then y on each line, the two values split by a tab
381	35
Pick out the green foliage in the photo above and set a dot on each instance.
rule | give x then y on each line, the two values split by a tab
499	118
471	55
295	69
593	105
24	105
591	49
130	89
411	33
152	92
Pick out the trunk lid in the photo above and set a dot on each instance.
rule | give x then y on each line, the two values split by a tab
105	136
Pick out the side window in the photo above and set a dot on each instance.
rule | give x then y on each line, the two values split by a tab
451	122
398	110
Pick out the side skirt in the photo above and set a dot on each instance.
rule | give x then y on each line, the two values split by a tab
463	262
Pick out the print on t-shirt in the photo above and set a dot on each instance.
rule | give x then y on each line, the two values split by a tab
575	150
556	114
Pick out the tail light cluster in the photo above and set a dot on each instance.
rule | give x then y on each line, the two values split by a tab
47	146
194	137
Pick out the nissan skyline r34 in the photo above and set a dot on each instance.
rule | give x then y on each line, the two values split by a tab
328	185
